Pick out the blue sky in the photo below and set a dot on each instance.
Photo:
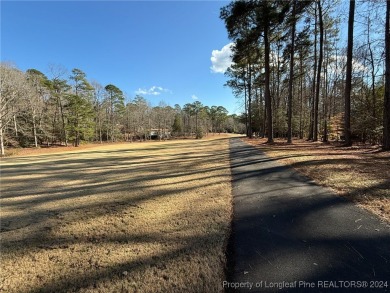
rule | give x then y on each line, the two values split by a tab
161	50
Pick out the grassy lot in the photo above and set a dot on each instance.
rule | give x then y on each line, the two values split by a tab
361	173
140	217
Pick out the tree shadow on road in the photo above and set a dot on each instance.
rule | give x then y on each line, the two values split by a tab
286	228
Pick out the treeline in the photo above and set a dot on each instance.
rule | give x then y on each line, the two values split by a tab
296	76
36	110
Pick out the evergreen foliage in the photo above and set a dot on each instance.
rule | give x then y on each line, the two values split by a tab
36	110
289	69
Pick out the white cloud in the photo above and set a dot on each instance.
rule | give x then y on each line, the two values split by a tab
154	91
221	59
341	60
194	97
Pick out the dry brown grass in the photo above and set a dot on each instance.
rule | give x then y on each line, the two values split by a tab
150	217
361	173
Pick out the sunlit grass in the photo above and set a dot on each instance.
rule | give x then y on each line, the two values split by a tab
150	217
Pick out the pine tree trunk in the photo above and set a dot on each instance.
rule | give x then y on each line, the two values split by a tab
318	83
325	139
246	109
301	96
290	83
311	128
267	94
250	134
386	110
372	64
348	78
264	122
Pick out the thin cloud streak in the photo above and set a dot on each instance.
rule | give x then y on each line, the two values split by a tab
153	91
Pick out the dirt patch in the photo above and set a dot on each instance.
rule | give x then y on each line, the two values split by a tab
140	217
360	173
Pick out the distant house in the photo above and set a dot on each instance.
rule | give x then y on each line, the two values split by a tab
159	134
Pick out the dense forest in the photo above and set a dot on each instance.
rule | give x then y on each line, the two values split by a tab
69	109
300	73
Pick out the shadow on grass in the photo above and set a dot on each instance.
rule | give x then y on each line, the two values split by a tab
116	181
190	248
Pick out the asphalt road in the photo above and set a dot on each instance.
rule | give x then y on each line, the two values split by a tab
291	235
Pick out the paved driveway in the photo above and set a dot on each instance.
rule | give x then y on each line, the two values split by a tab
291	235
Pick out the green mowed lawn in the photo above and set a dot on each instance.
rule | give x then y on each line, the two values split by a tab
141	217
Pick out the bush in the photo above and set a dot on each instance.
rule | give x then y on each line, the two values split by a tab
199	134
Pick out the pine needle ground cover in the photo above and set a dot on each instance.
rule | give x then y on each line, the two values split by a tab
360	173
141	217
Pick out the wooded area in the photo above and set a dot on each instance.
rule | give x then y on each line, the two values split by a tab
297	75
65	109
292	67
